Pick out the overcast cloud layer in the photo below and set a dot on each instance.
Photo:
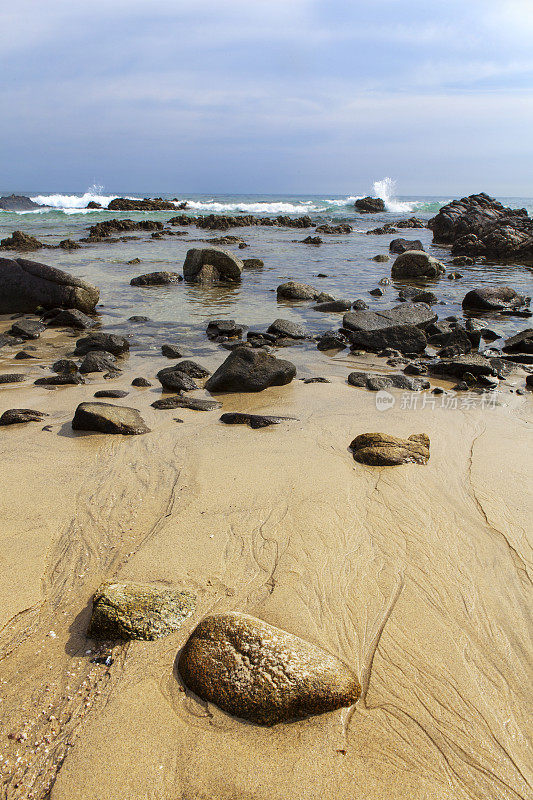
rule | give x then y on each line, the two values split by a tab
293	96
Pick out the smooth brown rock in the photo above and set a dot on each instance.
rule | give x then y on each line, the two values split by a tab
108	418
382	450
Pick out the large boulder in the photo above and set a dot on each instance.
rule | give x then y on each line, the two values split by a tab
520	343
405	338
380	449
369	205
138	611
417	264
378	383
107	418
203	264
109	342
247	370
174	379
292	290
494	298
260	673
403	245
419	314
26	286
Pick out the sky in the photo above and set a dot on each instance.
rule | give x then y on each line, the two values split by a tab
267	96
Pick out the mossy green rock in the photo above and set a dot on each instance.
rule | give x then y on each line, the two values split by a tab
263	674
138	611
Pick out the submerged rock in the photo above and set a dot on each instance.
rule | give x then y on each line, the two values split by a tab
253	263
156	279
382	450
138	611
247	370
14	416
286	329
403	245
27	286
171	351
258	672
253	420
108	418
180	401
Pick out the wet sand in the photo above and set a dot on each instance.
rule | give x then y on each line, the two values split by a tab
418	577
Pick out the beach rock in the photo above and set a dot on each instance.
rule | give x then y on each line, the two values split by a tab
333	306
27	329
403	245
27	286
419	314
192	368
475	363
98	361
494	298
103	229
172	379
253	420
125	204
478	225
250	370
312	240
405	338
138	611
141	383
93	204
262	674
412	222
193	403
463	261
138	318
382	450
334	229
224	265
224	327
381	258
24	355
68	244
382	231
107	418
65	365
377	383
156	279
376	292
287	329
315	380
16	202
253	263
171	351
12	378
116	393
14	416
359	305
62	379
369	205
21	241
292	290
331	340
417	264
68	318
109	342
520	343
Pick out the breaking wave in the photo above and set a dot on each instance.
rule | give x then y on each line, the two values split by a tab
386	190
75	202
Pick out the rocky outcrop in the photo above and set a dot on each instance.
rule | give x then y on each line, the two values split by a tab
17	202
247	370
406	338
494	298
21	241
382	450
478	225
26	286
156	279
417	264
103	229
107	418
412	222
334	229
403	245
369	205
262	674
211	264
125	204
138	611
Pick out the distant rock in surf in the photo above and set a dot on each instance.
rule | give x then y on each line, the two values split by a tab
369	205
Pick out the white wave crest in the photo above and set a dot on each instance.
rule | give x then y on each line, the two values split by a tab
261	207
386	190
73	202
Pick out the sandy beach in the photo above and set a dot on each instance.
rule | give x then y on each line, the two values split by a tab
417	577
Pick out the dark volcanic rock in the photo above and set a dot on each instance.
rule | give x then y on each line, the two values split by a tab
117	393
107	418
103	229
405	338
93	204
286	329
109	342
193	403
376	383
125	204
292	290
403	245
475	363
68	244
412	222
253	263
27	329
334	229
419	314
12	377
174	379
27	285
16	202
247	370
14	416
192	368
69	318
478	225
224	327
312	240
253	420
332	340
224	265
156	279
21	241
369	205
171	351
138	611
63	379
520	343
141	382
417	264
65	365
98	361
334	305
494	298
263	674
382	450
